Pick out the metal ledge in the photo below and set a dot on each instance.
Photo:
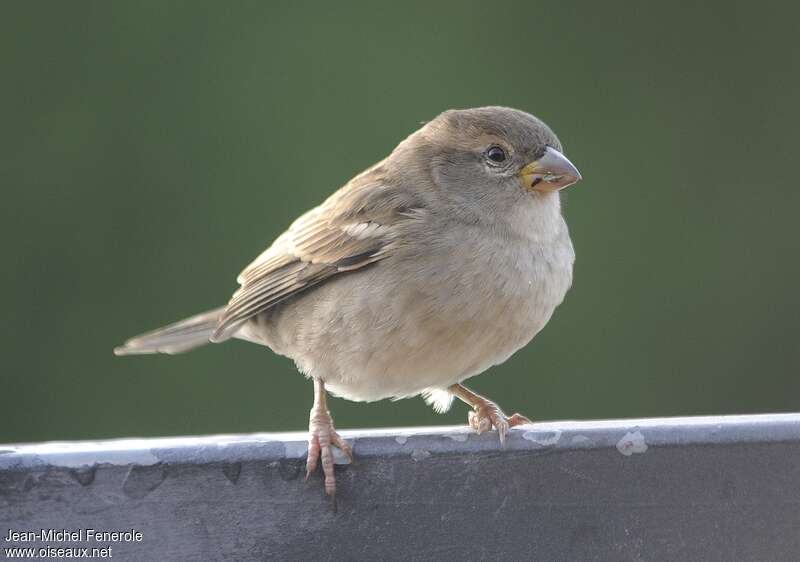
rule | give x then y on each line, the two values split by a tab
706	488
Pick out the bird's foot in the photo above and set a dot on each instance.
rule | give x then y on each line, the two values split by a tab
487	415
322	437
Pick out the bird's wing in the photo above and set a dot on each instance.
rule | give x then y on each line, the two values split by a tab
355	227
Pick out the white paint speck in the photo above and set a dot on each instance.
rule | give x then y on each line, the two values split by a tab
420	454
543	439
632	442
401	439
339	457
579	439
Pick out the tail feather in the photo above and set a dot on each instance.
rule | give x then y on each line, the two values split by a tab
175	338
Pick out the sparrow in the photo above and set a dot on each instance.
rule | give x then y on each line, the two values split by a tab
426	269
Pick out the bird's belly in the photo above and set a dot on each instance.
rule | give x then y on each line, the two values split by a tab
393	333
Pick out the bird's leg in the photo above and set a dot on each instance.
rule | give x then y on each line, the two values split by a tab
486	414
321	438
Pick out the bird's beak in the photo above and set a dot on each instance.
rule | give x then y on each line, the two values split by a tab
551	172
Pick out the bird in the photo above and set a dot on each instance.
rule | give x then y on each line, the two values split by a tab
431	266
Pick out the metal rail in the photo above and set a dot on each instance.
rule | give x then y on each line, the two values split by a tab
706	488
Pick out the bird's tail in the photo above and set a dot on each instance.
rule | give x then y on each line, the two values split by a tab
175	338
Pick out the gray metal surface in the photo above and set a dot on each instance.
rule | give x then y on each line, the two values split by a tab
663	489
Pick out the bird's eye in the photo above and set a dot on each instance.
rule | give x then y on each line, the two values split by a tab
496	154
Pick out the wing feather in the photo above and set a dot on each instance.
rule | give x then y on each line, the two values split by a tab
355	227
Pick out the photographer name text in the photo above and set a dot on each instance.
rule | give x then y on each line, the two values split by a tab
78	535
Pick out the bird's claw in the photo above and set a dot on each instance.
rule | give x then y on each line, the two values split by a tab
321	439
488	415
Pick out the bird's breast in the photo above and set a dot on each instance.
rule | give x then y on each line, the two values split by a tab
428	316
468	304
508	288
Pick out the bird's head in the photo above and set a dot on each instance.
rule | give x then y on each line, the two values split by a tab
496	146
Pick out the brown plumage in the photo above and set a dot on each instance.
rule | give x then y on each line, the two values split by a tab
350	230
428	268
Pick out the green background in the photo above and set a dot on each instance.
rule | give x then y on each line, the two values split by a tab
150	150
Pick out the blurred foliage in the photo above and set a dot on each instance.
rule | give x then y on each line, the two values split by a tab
150	150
